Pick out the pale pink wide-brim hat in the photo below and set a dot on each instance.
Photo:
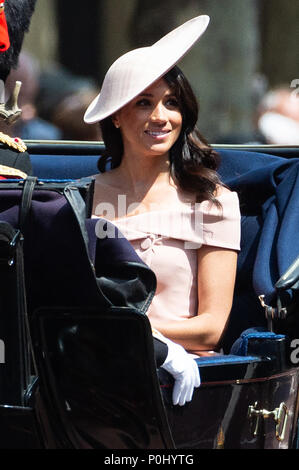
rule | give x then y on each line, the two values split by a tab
136	70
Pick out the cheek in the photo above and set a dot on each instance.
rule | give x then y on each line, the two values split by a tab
131	133
132	122
179	125
177	120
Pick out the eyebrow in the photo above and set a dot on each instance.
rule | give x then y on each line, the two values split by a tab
151	95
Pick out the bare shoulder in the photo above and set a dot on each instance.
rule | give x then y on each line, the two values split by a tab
108	183
106	191
107	178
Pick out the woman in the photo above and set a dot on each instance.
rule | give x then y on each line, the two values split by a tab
163	191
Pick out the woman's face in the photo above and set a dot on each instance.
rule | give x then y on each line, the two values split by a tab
151	123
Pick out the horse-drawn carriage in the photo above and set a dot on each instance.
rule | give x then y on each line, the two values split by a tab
77	367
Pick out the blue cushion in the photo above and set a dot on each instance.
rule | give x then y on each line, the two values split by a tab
225	359
64	166
240	346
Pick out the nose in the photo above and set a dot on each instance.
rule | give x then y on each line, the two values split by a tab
158	115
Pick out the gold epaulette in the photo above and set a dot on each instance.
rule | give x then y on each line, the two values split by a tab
14	142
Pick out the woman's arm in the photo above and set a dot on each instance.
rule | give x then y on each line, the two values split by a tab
216	280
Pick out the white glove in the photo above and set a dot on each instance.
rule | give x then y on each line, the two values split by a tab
183	368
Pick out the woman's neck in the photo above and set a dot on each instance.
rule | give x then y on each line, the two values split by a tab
140	175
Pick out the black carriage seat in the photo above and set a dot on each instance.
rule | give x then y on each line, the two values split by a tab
72	331
258	179
260	182
267	189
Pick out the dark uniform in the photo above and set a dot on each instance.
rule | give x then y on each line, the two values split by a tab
15	16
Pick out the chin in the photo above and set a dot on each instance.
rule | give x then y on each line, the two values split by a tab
160	149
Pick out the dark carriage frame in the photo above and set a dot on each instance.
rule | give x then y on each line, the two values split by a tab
248	397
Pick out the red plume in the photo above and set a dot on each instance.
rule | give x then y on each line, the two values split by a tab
4	37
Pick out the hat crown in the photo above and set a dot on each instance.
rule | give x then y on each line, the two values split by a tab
136	70
125	67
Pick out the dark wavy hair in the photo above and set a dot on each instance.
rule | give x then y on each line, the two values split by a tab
193	163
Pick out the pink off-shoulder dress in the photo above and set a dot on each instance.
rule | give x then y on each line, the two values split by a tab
168	240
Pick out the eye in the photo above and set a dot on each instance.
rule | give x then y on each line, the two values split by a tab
143	102
173	102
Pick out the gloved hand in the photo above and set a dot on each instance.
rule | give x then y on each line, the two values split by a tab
184	369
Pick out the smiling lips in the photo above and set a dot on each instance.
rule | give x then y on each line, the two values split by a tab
158	134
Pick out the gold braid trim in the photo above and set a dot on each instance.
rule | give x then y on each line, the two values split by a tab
14	142
9	171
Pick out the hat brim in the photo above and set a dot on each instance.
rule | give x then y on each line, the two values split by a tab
136	70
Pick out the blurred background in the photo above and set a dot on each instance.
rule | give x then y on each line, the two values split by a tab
244	70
